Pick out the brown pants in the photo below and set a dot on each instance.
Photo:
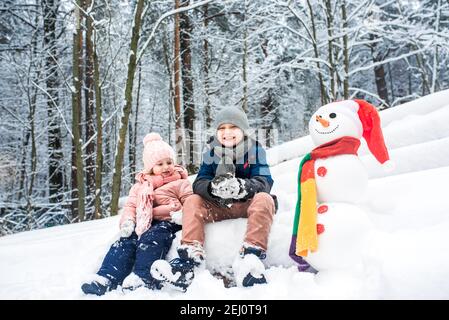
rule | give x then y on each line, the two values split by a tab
259	210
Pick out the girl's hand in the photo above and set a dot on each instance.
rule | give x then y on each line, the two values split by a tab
127	228
182	171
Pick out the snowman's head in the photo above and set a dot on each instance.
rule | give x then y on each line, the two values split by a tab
335	120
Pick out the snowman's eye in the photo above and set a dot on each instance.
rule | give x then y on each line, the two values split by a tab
332	115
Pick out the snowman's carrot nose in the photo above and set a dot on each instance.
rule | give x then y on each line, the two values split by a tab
323	122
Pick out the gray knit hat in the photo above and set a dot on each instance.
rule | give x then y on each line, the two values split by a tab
233	115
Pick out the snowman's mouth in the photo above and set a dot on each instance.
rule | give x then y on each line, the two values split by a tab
328	132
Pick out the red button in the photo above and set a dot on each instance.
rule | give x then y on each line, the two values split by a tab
322	209
319	228
322	171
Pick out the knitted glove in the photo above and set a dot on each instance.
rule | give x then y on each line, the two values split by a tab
224	186
229	188
127	228
243	189
176	217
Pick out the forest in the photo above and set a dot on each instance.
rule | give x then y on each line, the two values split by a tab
83	81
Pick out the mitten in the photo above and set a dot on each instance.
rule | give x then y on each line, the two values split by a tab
127	228
176	217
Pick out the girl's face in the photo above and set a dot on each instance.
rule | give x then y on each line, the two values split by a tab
229	135
165	167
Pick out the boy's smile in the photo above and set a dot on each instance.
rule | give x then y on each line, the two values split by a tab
229	134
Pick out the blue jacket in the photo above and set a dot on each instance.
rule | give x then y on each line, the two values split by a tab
253	168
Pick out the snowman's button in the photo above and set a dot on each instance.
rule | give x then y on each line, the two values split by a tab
319	228
321	171
322	209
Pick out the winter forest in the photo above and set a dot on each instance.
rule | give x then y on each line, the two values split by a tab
83	81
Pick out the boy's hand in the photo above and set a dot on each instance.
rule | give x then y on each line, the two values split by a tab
127	228
225	187
229	187
241	187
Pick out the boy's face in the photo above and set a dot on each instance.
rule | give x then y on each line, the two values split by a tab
229	135
164	167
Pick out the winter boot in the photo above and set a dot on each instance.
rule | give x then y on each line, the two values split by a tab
248	267
179	272
99	286
133	282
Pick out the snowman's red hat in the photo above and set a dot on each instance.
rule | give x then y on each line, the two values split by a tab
372	131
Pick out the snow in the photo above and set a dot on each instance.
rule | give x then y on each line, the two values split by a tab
407	253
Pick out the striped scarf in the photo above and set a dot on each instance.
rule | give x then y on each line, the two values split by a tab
305	235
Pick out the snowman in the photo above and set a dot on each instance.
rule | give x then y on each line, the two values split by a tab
330	230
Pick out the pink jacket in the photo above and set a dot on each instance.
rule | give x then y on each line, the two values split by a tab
154	197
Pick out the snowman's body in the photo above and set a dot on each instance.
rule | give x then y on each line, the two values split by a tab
341	182
340	179
341	245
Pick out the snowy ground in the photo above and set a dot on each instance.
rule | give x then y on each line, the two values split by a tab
409	253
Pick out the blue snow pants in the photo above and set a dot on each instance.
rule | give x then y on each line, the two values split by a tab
131	253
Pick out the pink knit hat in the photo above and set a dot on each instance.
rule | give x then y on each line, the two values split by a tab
155	149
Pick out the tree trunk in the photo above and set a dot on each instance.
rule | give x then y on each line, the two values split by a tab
55	155
345	51
187	88
89	109
117	176
379	73
324	97
33	143
422	66
330	47
435	55
245	61
171	95
267	105
32	121
77	168
98	115
390	75
177	88
207	106
133	127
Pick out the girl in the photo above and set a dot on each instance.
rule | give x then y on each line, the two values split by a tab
149	220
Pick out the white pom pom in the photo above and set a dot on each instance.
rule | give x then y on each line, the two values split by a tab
389	166
153	136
